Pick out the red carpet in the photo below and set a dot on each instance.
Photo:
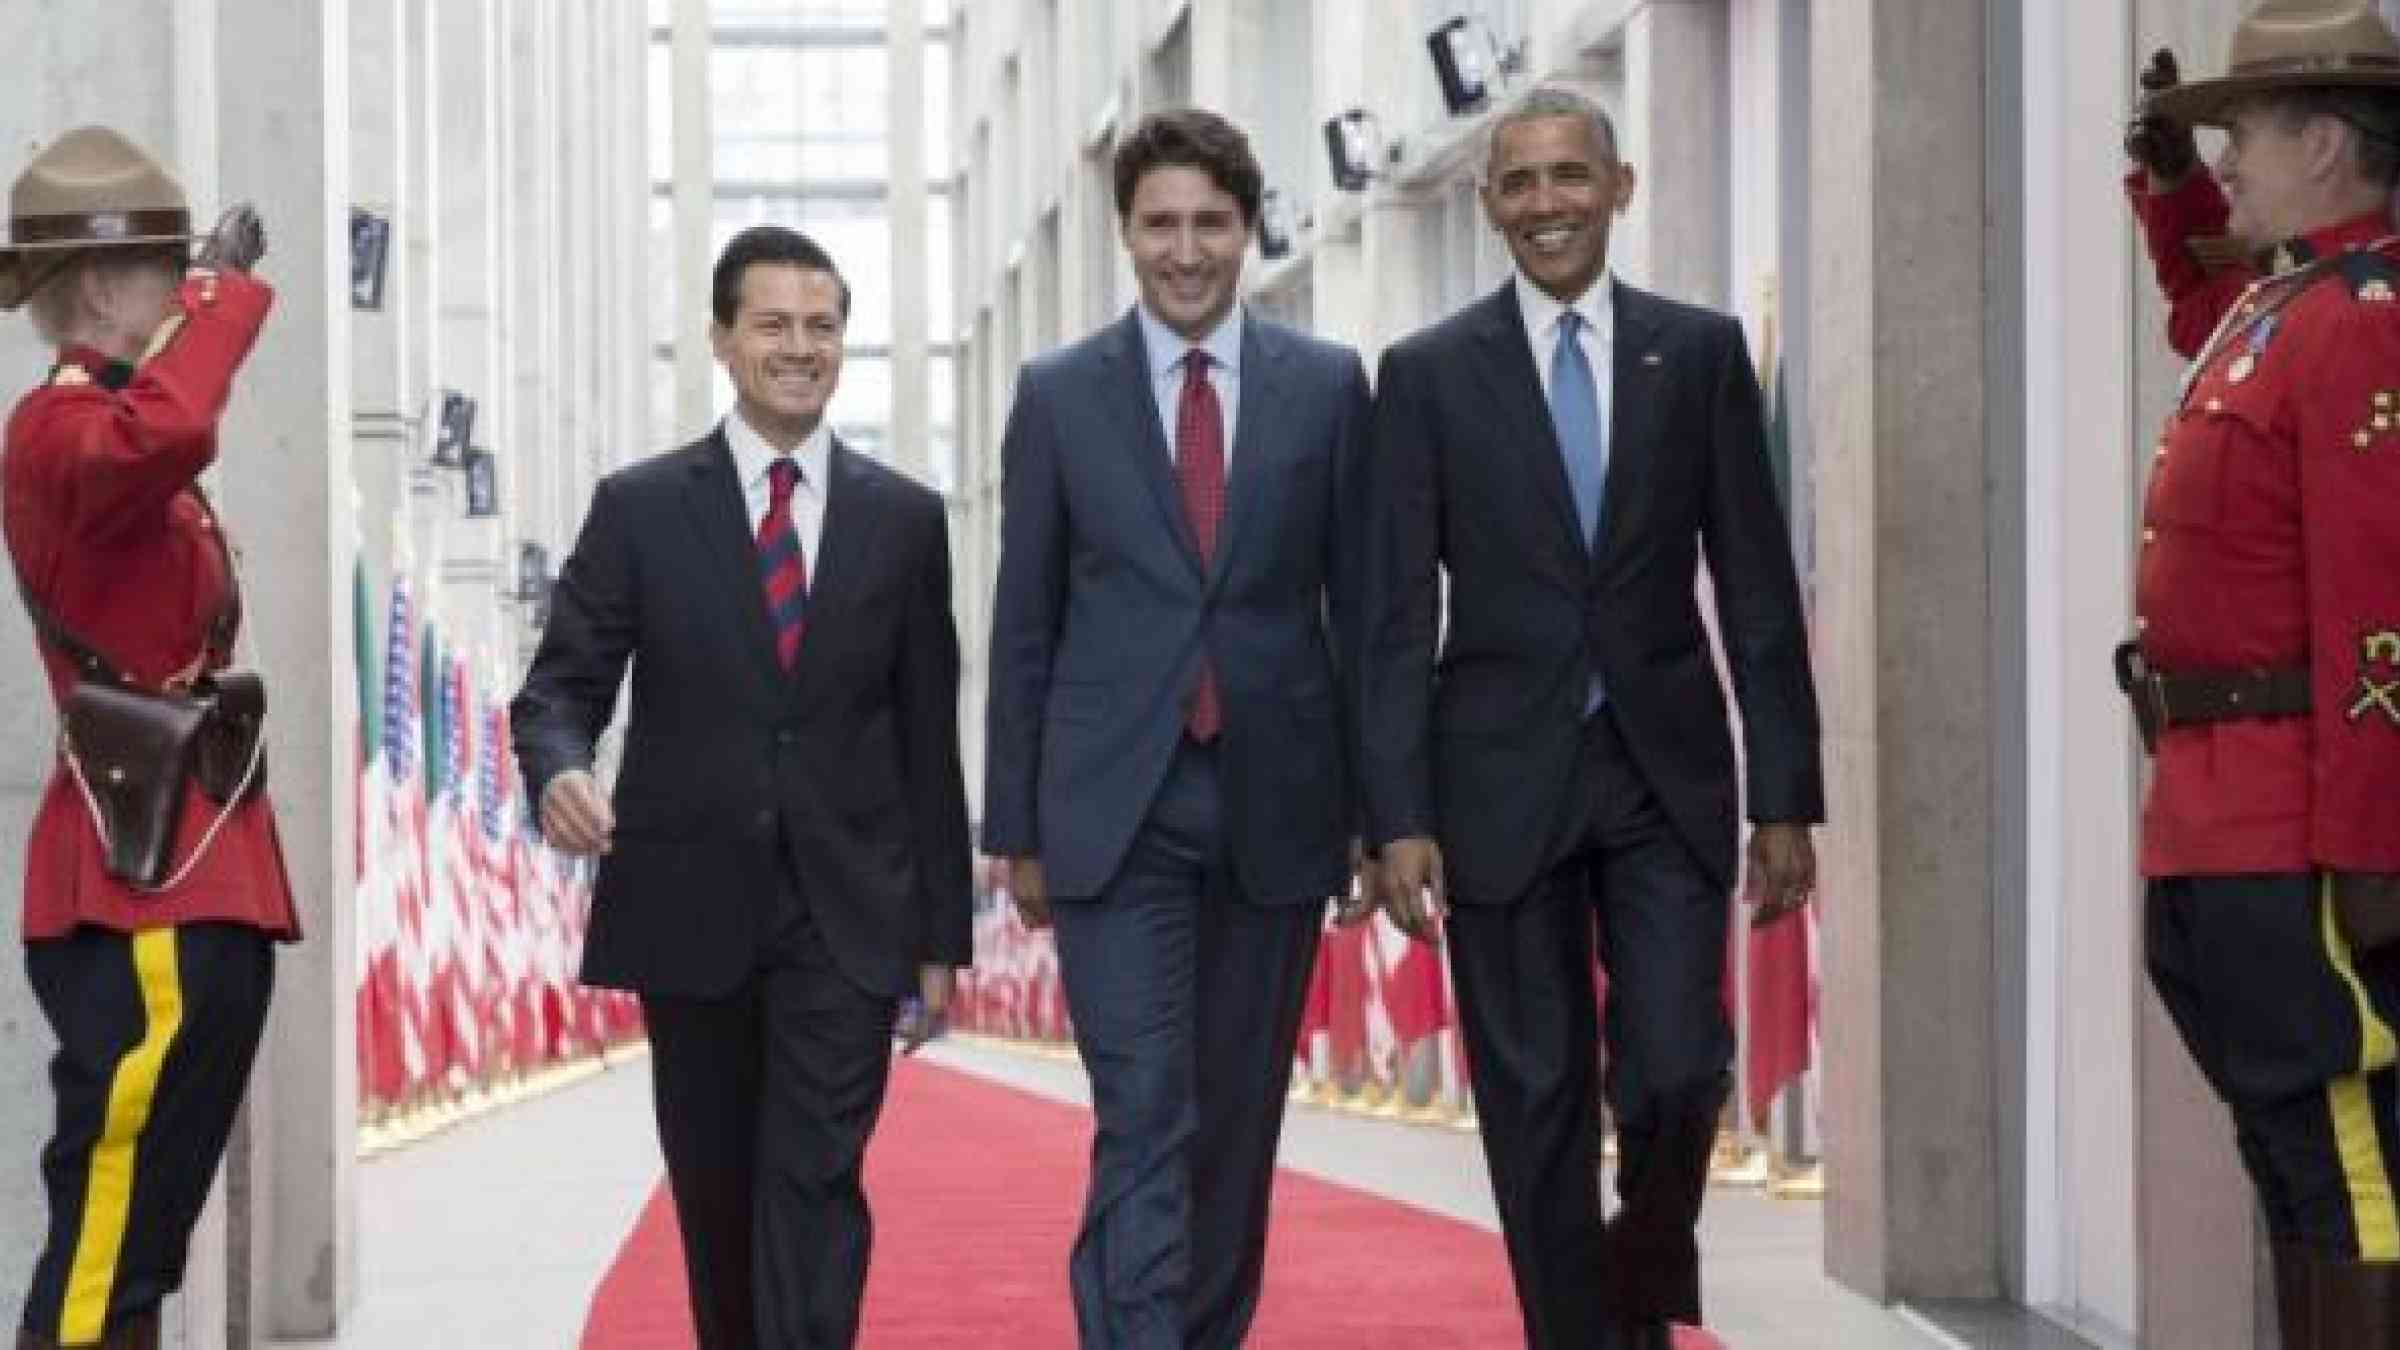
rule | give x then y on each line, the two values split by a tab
976	1189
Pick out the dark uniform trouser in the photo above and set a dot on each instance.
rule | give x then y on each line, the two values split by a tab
2295	1034
157	1031
1524	977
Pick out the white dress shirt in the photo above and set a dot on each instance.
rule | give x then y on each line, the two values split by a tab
751	458
1598	338
1166	349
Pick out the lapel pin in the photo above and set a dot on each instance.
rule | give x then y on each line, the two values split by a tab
1651	359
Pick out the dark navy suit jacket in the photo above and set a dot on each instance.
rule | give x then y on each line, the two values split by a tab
1104	610
1478	747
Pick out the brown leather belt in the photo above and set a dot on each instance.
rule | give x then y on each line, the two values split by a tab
2190	698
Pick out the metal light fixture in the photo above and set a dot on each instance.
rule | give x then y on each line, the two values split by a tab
533	582
370	247
483	483
1274	225
1350	147
1468	57
454	430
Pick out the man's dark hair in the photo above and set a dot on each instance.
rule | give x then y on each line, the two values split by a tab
2373	113
1191	138
766	245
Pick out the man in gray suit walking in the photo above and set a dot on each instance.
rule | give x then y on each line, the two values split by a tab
1172	725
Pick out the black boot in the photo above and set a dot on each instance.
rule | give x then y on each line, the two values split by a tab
2295	1295
34	1340
2355	1306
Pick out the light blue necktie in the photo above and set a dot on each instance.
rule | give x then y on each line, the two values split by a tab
1575	415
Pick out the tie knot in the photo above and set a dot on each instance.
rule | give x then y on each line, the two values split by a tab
1195	363
783	473
1569	321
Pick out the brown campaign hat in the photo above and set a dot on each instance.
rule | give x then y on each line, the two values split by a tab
2291	44
91	188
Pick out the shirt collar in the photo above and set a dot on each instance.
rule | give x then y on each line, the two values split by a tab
1597	305
752	454
1166	347
2300	249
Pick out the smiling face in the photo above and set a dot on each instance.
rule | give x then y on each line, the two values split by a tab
1186	237
1551	190
783	350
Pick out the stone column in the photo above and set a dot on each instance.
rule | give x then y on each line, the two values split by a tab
1675	239
466	289
1900	284
911	416
695	208
284	127
384	415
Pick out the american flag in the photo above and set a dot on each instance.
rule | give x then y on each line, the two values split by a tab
403	844
459	960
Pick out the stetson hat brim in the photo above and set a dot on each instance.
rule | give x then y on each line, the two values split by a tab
25	266
2210	103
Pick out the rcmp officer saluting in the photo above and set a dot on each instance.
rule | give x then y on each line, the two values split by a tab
154	882
2265	668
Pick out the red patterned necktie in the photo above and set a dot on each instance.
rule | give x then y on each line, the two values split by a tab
782	568
1200	472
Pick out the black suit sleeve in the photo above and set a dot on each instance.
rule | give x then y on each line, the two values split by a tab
1345	567
1758	601
1400	608
926	692
570	693
1027	608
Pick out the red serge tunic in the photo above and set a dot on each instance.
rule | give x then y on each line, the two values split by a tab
2271	539
107	533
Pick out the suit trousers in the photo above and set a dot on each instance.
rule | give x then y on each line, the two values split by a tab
157	1032
1186	1000
765	1100
1523	970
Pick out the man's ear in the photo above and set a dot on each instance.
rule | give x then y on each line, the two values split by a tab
1626	178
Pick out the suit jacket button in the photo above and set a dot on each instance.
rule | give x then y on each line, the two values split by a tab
787	736
763	821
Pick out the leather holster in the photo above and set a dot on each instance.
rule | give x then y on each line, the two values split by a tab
134	750
236	701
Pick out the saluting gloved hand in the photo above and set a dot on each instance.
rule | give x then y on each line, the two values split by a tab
238	241
2165	147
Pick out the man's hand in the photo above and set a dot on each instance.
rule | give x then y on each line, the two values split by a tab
1414	892
2367	907
2164	147
1783	871
1366	888
238	241
1030	890
928	1014
575	814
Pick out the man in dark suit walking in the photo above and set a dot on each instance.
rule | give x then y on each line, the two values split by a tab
1564	449
786	855
1170	726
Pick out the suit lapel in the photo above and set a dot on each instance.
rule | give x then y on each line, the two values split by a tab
1137	406
1505	362
1253	447
1634	403
844	548
712	495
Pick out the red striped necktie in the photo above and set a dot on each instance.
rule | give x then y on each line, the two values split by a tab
782	567
1200	472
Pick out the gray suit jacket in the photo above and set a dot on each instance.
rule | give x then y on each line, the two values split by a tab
1104	610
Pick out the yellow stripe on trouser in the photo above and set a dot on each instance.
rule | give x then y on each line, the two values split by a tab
2371	1204
108	1195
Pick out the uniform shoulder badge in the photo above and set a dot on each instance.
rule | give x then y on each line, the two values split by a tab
2372	277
